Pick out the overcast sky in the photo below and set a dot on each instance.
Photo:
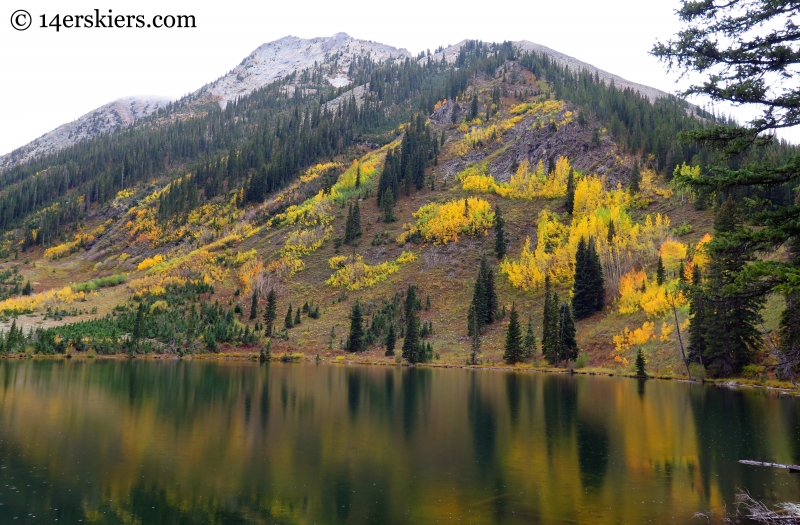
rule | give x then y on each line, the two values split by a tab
49	77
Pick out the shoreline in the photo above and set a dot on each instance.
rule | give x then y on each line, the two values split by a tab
781	386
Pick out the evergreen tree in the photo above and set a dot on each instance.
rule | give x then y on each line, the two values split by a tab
660	273
570	202
500	242
738	48
27	289
254	305
358	175
514	351
582	300
640	364
288	321
732	321
697	312
297	319
550	323
598	284
479	303
490	294
473	108
387	205
391	340
356	339
356	227
474	331
789	357
271	313
636	178
412	347
566	346
529	343
348	225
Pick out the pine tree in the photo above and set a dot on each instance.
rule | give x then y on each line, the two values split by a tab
358	176
297	319
529	343
640	364
254	305
387	205
27	289
514	352
356	338
479	302
412	347
271	313
500	242
473	108
732	322
356	221
391	340
566	347
288	322
570	202
490	294
348	225
598	285
474	331
550	323
582	299
697	312
612	232
636	178
660	273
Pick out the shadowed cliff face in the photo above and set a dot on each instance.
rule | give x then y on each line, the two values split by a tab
183	442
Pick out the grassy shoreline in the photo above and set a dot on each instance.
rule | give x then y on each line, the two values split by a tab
365	359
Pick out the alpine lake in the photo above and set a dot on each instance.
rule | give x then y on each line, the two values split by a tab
108	441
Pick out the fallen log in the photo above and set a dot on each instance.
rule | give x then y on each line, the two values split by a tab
793	469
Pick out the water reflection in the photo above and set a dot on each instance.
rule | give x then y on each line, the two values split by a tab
182	442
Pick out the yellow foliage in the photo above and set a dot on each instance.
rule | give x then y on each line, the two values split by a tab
249	273
29	303
672	253
701	257
305	242
79	240
638	336
524	184
636	293
482	136
353	274
124	194
314	172
160	305
150	262
442	223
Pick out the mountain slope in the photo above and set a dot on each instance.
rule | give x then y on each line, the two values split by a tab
106	118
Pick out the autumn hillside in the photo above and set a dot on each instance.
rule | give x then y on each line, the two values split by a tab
168	237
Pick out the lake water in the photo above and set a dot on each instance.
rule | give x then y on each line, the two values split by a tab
179	442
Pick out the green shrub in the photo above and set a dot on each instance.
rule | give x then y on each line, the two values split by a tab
582	360
698	371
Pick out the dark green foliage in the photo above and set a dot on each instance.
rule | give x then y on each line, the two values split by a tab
288	322
640	364
612	232
566	346
589	286
352	228
570	202
514	350
549	323
660	273
529	343
751	49
27	289
355	341
297	319
417	151
473	107
271	312
697	315
500	242
254	305
733	318
789	357
391	340
636	177
484	297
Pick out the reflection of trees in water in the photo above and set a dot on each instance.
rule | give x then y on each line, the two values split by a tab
560	400
592	453
729	428
513	393
416	388
483	422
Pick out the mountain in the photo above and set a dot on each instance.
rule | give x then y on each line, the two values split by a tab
347	178
268	63
107	118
